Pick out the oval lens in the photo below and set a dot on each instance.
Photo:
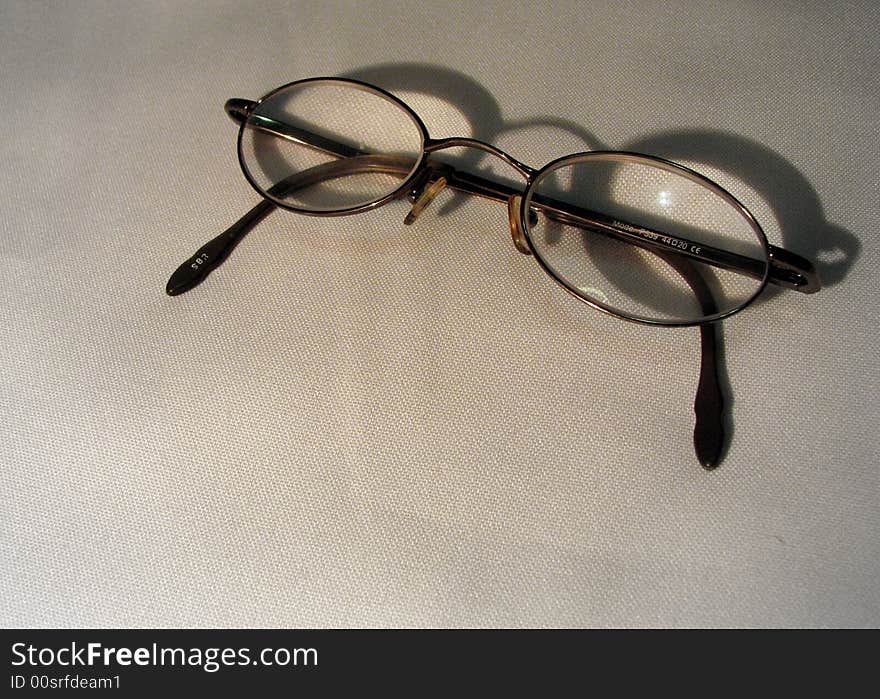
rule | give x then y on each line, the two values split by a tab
646	239
329	146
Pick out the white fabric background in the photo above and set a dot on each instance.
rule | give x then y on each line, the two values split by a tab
354	423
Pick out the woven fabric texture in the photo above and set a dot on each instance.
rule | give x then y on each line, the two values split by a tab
358	423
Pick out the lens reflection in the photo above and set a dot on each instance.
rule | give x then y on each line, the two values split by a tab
639	237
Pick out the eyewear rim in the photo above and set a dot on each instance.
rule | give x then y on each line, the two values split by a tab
790	270
423	178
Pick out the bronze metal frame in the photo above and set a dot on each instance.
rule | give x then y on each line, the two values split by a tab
780	266
423	178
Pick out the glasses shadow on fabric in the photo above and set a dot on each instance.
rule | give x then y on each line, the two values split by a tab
471	99
474	102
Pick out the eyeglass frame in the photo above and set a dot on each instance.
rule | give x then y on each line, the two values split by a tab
425	179
782	267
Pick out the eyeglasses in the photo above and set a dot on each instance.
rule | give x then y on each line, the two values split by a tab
635	236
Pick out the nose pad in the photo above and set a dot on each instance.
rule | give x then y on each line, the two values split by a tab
516	232
426	196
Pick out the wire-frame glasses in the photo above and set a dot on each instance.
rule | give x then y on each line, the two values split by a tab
635	236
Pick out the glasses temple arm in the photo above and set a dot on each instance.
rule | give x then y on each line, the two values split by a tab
213	253
239	110
709	403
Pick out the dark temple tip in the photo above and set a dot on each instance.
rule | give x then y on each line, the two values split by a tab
184	279
709	441
709	464
173	290
214	252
